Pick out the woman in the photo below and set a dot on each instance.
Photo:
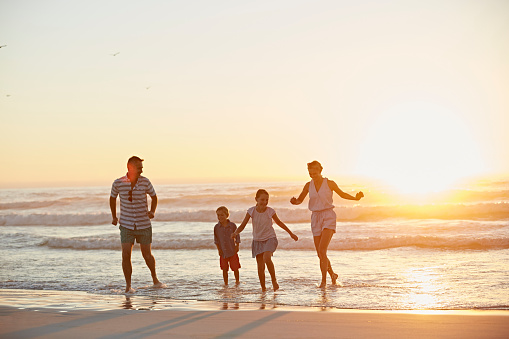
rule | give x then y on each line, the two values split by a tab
323	218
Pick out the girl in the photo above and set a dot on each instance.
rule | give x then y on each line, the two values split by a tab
323	218
264	236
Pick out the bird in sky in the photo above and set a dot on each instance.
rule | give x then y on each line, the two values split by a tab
115	54
3	46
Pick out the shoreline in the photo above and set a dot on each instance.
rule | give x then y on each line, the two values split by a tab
64	314
80	300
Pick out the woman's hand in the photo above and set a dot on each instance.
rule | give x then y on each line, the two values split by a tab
359	195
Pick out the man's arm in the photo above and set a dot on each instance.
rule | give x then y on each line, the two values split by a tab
113	208
153	206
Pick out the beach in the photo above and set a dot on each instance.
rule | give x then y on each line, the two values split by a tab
431	269
52	314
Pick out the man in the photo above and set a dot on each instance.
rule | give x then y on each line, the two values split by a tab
134	217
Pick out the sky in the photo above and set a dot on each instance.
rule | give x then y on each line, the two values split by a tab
412	93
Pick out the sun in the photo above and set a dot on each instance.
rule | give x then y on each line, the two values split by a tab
418	148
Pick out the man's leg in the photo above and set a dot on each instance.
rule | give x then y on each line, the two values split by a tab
146	251
127	267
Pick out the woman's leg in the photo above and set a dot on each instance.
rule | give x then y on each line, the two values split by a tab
323	245
261	270
333	275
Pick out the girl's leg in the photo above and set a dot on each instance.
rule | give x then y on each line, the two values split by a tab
267	257
261	270
333	275
322	254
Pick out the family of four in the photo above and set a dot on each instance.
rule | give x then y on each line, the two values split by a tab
135	224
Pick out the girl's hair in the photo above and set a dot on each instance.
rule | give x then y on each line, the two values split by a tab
260	192
315	164
223	209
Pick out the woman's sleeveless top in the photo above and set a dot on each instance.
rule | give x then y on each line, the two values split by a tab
322	199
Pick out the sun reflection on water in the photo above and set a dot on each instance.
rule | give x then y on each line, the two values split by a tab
425	288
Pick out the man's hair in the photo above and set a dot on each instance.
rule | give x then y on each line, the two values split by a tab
260	192
315	164
223	209
134	159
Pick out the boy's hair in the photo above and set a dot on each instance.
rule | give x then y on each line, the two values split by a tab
223	209
260	192
315	164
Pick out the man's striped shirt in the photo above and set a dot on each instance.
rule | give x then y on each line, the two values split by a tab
133	214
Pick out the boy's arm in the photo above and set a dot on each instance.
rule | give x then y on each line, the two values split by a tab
219	250
242	226
283	226
216	242
300	199
333	186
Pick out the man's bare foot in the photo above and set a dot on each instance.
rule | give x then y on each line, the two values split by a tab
323	284
275	285
237	283
130	290
264	289
334	278
159	285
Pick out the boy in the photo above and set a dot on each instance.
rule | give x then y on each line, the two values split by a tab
226	246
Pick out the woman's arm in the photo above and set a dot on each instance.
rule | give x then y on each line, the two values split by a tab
333	186
300	199
283	226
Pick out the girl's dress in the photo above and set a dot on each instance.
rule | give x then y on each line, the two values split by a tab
264	236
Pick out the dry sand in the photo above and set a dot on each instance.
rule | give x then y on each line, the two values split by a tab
50	314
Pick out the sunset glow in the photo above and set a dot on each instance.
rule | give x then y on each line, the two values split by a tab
253	91
419	148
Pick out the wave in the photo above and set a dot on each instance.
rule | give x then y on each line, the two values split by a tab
337	244
485	211
211	198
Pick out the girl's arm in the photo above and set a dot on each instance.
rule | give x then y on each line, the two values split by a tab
333	186
300	199
242	226
283	226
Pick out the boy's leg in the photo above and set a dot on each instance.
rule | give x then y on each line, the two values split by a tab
267	257
127	267
261	270
237	276
225	276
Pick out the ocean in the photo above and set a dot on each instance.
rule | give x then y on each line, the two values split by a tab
449	250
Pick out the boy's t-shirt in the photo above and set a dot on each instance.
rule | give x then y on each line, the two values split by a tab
222	237
262	224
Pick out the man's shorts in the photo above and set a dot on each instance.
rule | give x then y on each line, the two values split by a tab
321	220
143	236
233	262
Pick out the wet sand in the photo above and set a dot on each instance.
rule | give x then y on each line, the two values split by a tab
54	314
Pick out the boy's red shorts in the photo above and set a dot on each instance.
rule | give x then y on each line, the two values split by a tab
232	261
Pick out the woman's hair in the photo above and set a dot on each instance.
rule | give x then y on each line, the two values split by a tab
223	209
260	192
315	164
